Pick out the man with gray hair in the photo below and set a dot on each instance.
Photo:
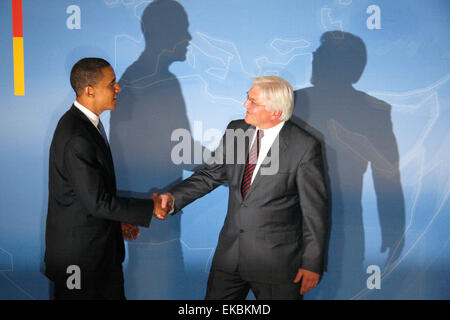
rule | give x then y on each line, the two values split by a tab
273	237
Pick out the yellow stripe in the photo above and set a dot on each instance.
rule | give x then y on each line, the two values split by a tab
19	70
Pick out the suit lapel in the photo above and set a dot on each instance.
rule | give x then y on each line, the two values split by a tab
96	137
282	145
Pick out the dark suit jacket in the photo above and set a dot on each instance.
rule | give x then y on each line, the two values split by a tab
84	213
280	226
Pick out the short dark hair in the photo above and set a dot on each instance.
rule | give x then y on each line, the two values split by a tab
87	72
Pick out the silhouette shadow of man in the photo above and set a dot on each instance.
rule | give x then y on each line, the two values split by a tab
149	108
355	129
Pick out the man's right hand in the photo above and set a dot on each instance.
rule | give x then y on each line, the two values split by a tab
163	204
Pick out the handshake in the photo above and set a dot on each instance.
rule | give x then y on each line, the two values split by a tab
163	204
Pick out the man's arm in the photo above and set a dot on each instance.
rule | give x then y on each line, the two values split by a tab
202	182
86	176
312	191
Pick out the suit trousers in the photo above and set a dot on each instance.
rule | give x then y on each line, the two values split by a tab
230	286
104	285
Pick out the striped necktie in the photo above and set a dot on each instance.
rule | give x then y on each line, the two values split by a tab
250	164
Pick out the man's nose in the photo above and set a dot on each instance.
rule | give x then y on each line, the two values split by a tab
118	88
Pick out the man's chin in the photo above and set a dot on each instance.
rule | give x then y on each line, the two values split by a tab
248	121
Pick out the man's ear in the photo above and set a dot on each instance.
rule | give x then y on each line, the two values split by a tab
89	91
276	115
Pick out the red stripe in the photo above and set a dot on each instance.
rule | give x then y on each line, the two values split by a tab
247	177
250	166
17	18
246	184
252	155
245	188
253	160
252	152
247	180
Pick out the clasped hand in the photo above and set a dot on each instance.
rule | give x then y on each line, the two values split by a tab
129	231
163	204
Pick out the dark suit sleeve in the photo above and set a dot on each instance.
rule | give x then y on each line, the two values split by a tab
314	206
88	176
202	181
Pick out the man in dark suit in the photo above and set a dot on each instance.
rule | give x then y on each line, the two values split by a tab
273	238
84	234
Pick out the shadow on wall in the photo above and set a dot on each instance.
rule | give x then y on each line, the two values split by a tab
355	129
149	108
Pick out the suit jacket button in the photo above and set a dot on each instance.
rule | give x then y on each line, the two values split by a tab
241	231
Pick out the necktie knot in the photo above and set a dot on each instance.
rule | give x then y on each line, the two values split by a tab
260	134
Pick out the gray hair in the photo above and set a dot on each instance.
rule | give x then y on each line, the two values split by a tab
280	94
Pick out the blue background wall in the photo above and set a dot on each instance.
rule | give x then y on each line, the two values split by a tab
190	66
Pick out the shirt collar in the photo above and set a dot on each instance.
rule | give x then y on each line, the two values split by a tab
272	131
88	113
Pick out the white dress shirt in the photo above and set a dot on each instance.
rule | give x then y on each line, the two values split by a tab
266	142
88	113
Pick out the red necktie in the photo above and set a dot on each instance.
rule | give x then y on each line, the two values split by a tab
250	164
